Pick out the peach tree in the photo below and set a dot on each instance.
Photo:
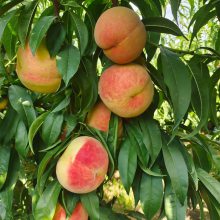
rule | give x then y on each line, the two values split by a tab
54	62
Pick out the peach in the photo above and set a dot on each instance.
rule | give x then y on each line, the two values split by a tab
121	34
99	117
83	165
79	213
60	213
127	90
37	72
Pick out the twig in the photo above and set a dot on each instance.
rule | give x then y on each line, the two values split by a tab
115	3
56	7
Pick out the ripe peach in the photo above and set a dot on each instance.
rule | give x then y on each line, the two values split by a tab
99	117
127	90
38	72
83	165
79	213
60	213
121	34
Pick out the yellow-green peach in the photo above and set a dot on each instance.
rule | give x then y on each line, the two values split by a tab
37	72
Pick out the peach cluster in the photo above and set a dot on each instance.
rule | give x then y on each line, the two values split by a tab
126	87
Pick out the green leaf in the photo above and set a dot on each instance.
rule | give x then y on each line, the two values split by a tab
25	19
136	186
35	127
4	21
69	201
175	4
151	194
8	6
173	208
201	157
21	101
151	137
217	42
153	39
91	203
39	31
81	32
176	168
112	137
137	142
108	214
213	96
6	201
175	73
212	204
8	126
85	93
55	38
5	152
62	105
127	162
21	139
201	17
68	61
162	25
51	128
210	183
200	93
46	205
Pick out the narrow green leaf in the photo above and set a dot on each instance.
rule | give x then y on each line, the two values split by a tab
151	137
39	31
4	21
127	163
212	205
69	200
200	92
21	139
176	168
35	127
109	214
25	19
175	6
6	201
91	203
62	105
112	138
5	152
173	209
9	125
9	5
136	186
213	96
46	205
21	101
68	61
55	38
162	25
51	128
81	32
151	194
210	183
175	73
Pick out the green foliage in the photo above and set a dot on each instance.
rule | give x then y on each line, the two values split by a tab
168	157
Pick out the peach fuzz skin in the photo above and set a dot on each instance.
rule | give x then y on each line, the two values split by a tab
127	90
60	213
99	117
121	34
79	213
83	165
37	72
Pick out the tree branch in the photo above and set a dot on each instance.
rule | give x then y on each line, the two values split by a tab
56	7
